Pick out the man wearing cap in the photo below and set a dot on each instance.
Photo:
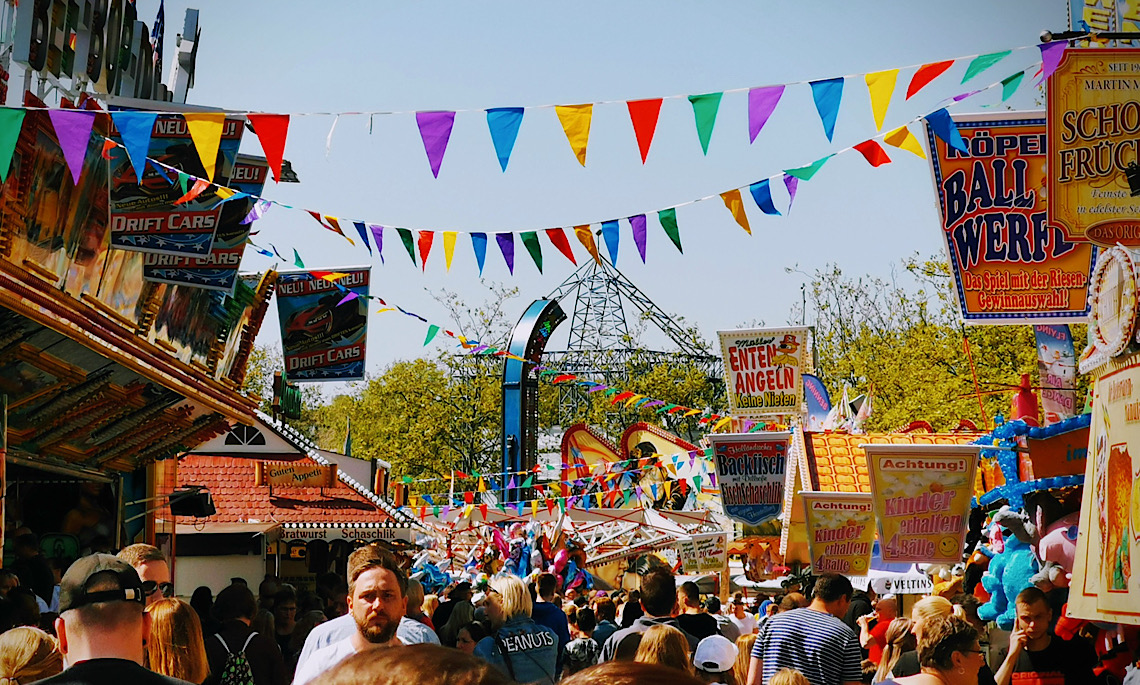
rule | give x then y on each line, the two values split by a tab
102	627
745	622
714	657
150	563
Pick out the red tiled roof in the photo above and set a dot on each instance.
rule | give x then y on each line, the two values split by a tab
230	481
837	463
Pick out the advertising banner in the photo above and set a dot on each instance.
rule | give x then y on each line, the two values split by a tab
144	217
1057	369
818	402
1094	119
219	269
750	470
922	500
705	553
762	370
294	474
1009	265
323	324
841	531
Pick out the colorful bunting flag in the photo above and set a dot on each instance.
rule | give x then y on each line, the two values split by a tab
558	239
206	132
297	259
506	243
1051	54
792	184
983	62
73	130
873	153
575	121
736	206
586	237
424	242
945	128
704	111
637	225
431	332
271	131
200	185
435	130
827	94
903	139
134	130
612	237
762	194
668	220
449	247
479	244
378	235
334	224
761	103
643	114
409	242
530	242
805	173
881	86
1009	85
504	123
925	74
362	231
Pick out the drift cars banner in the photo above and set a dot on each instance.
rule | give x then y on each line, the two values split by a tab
1009	264
1057	369
762	370
750	470
219	269
144	217
704	553
841	531
323	326
922	500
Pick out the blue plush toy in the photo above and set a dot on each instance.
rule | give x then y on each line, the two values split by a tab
1009	571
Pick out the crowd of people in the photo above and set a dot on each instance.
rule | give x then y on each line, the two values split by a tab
115	619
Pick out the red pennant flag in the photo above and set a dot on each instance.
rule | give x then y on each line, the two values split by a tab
195	190
873	153
271	130
469	497
108	145
460	475
925	74
483	511
558	239
621	396
550	507
643	114
425	247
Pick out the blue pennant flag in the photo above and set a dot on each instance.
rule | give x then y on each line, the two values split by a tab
612	237
134	129
945	128
504	124
479	243
762	193
363	231
827	93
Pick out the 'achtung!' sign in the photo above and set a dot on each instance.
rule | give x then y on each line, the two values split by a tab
294	474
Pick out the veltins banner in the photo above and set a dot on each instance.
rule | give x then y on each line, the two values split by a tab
922	500
704	553
750	470
1009	265
323	326
1057	369
762	369
841	531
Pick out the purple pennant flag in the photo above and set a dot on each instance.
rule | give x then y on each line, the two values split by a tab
792	183
1051	54
512	485
761	103
378	234
350	296
963	96
637	223
73	129
435	129
256	212
506	243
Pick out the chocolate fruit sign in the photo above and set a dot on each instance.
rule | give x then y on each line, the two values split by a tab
750	470
763	370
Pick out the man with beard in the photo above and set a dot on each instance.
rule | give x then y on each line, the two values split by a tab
377	589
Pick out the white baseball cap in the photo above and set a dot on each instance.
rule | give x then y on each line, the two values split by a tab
715	654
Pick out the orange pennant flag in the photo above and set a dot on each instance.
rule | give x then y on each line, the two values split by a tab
736	206
332	221
425	247
586	237
195	190
206	132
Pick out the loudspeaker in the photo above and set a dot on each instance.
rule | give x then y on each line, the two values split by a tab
192	501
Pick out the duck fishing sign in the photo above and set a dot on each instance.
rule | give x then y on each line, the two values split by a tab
763	370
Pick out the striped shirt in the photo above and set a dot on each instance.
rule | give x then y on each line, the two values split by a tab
816	644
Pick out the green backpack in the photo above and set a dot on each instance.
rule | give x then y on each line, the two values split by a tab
236	670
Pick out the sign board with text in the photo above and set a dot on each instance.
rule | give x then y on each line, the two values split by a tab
295	474
841	531
323	324
763	368
751	469
703	553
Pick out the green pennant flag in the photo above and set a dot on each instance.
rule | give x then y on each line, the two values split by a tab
611	392
11	120
983	62
297	259
562	504
628	494
1009	85
435	511
805	173
432	330
530	241
668	219
502	507
666	408
704	110
408	241
183	179
528	482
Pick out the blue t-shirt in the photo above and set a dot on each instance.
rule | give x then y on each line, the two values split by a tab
549	615
816	644
531	649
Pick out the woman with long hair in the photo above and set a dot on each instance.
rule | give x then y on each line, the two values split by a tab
744	645
667	646
175	647
925	611
899	639
28	654
949	653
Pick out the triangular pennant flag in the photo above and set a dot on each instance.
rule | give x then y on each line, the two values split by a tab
528	482
297	259
109	145
504	123
512	484
925	74
200	185
506	243
983	62
432	330
1051	54
761	103
736	206
378	235
612	237
558	239
479	244
409	242
482	486
792	184
586	237
668	219
945	128
435	130
424	242
637	225
134	130
643	114
334	225
11	120
873	153
362	231
271	130
73	130
350	295
903	139
805	173
1009	85
762	194
880	86
449	247
206	132
184	178
704	111
827	94
483	511
530	242
575	121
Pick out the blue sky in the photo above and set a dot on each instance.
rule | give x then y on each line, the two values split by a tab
408	56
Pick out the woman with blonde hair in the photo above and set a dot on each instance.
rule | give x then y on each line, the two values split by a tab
950	654
899	640
665	645
28	654
743	656
175	647
517	646
789	676
925	611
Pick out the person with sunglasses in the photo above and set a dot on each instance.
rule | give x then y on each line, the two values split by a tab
949	653
150	563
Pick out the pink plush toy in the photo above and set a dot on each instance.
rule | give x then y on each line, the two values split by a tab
1056	551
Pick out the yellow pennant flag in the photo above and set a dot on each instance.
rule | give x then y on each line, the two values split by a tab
598	496
903	139
533	508
482	485
448	247
668	487
223	192
385	309
691	412
586	237
722	423
467	510
206	132
334	276
633	399
881	86
736	206
576	124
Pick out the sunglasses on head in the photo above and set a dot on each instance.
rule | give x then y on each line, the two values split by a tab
150	587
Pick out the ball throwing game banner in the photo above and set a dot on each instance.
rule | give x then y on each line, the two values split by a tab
323	327
841	531
751	469
922	500
762	370
1009	264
